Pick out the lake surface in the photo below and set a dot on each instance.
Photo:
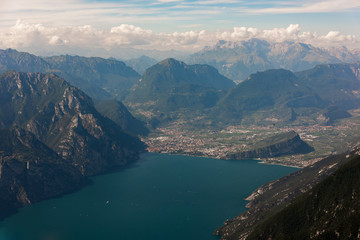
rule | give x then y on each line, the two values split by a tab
161	197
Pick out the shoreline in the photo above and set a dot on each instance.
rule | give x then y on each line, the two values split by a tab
260	160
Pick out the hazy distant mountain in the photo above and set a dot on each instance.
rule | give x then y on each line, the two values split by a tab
141	64
65	119
344	54
21	61
118	52
237	60
98	77
284	95
171	85
91	74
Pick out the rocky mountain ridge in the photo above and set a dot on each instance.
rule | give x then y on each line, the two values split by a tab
288	143
98	77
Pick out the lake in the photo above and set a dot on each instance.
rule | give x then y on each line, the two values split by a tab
160	197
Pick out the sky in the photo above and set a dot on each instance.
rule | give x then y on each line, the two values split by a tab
122	27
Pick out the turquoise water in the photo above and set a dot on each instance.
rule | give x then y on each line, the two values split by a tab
161	197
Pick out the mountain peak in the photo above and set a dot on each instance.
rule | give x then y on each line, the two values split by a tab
10	50
170	62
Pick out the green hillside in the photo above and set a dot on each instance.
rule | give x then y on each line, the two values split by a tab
172	85
329	90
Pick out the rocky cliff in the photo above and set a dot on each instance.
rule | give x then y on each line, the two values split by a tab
65	119
52	138
30	171
279	145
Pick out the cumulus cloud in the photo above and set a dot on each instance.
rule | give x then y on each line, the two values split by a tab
85	40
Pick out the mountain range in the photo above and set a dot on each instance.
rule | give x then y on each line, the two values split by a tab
171	89
237	60
320	95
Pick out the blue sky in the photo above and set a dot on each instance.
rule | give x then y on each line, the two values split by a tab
181	15
188	23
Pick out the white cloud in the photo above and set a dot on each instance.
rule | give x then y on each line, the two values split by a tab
56	40
86	40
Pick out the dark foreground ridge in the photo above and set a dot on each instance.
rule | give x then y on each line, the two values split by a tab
275	196
329	211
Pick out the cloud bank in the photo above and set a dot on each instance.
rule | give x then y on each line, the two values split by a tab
89	41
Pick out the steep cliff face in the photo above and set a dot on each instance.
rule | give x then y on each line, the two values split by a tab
275	196
51	138
30	171
65	119
279	145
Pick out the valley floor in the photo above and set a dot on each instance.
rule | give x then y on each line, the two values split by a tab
183	137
